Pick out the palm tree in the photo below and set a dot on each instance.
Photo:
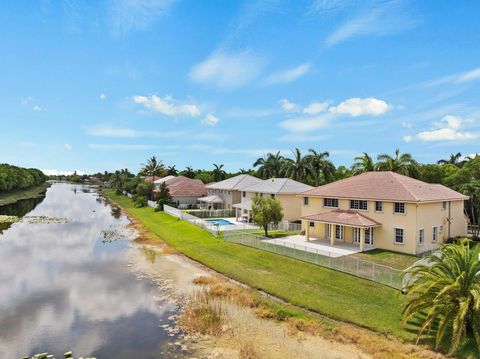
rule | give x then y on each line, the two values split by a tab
271	165
153	168
446	291
453	160
319	166
363	163
297	168
218	173
189	172
172	171
472	190
401	163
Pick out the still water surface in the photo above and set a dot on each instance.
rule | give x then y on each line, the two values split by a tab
63	286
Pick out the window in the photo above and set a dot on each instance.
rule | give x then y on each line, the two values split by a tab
378	206
339	232
327	231
359	204
399	207
356	235
421	236
398	232
305	201
312	224
434	234
244	194
444	205
440	229
330	202
369	236
272	195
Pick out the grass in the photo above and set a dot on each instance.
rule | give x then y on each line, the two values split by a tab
331	293
15	196
388	258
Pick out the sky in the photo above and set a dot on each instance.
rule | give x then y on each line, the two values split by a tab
103	85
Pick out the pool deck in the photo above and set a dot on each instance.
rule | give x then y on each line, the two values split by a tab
236	225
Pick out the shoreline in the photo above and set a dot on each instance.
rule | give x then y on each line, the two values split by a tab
29	193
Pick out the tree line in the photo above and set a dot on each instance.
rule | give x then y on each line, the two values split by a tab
15	178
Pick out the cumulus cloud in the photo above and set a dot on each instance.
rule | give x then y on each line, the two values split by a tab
167	106
103	96
447	129
55	172
289	75
287	105
361	107
38	108
315	108
227	70
210	120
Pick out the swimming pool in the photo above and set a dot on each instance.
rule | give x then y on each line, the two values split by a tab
220	222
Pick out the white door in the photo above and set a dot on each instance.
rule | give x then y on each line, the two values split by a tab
356	235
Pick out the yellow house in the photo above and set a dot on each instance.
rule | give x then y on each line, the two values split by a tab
285	190
384	210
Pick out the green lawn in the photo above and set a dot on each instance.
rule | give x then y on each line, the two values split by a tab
334	294
388	258
12	197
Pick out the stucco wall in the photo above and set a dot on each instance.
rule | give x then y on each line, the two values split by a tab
230	197
291	204
187	200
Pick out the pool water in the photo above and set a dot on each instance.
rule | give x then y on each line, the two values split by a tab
220	222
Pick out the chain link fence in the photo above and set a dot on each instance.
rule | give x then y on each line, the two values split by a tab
348	264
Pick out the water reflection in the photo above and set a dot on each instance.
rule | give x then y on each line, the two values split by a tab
62	289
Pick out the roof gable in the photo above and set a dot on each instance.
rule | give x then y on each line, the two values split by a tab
235	183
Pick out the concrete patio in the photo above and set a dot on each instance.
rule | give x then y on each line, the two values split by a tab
319	246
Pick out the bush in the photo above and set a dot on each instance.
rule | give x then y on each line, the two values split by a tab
139	201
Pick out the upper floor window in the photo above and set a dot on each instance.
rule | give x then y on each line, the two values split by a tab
312	224
330	202
421	236
444	205
434	234
244	194
305	201
398	233
378	206
399	207
359	204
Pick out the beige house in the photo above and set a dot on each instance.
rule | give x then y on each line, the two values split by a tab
384	210
226	193
284	190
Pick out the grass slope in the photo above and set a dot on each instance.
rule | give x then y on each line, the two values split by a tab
15	196
326	291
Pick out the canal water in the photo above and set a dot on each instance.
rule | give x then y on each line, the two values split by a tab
67	282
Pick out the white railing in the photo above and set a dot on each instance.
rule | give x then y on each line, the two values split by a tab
214	213
353	265
211	227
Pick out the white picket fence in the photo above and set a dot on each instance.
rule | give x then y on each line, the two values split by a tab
211	227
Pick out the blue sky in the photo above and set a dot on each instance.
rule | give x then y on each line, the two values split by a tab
102	85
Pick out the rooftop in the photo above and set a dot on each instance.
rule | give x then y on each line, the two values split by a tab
387	186
184	186
344	217
278	186
235	183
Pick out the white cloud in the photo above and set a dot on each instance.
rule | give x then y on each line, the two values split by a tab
68	146
105	131
287	105
300	138
121	147
406	124
227	71
447	129
303	124
103	96
38	108
469	76
167	106
26	100
408	138
289	75
315	108
361	107
380	18
457	78
210	120
128	15
55	172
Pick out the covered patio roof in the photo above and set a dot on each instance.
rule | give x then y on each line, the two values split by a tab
211	199
344	217
244	205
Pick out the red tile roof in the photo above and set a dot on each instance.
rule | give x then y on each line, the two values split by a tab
344	217
387	186
184	186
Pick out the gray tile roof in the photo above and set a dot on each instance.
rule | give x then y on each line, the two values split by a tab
278	186
235	183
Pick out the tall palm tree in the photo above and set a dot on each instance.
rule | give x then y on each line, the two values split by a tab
271	165
172	170
218	173
472	190
153	168
401	163
296	168
189	172
363	163
447	291
453	160
320	167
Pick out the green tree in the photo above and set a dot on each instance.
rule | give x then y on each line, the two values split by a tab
445	293
472	190
453	160
218	173
272	165
172	171
320	167
164	197
189	172
153	168
363	163
400	163
205	177
266	210
298	167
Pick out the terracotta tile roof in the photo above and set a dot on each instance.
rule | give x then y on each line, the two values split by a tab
387	186
344	217
184	186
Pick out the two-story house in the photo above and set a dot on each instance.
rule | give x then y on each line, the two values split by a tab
226	193
384	210
285	190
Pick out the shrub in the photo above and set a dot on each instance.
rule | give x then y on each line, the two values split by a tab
139	201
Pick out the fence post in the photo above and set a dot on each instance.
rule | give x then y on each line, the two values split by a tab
284	251
357	267
305	254
391	278
329	260
316	258
374	272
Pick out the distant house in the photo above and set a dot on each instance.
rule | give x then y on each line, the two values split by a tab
226	193
183	190
284	190
384	210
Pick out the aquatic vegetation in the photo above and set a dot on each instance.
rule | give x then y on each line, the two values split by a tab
43	219
203	315
67	355
9	219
